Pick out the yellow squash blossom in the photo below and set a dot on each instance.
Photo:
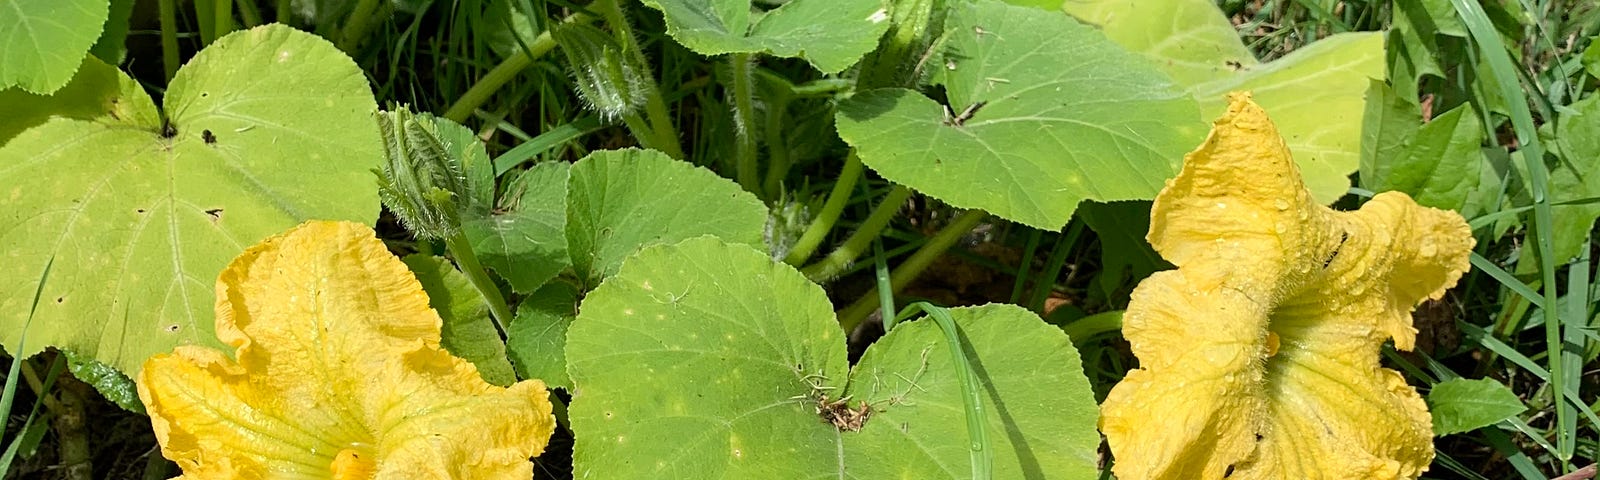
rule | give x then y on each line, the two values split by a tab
338	374
1259	354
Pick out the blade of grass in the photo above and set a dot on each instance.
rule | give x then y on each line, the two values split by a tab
1572	344
1477	334
913	267
1489	218
1532	434
1514	455
43	392
1021	277
971	393
885	293
1053	266
1494	52
1507	279
1455	466
9	395
551	138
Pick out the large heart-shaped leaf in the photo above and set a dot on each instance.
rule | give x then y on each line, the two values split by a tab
1315	94
524	238
619	201
97	92
831	34
266	128
611	204
45	40
709	360
1045	112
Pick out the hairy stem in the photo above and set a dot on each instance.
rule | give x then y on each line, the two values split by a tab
744	119
504	72
831	209
841	258
462	251
913	267
169	38
665	136
359	23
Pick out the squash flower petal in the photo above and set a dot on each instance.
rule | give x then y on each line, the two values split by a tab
1259	353
337	373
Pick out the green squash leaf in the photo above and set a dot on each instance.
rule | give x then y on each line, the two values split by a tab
1044	113
267	128
1314	94
1125	256
1463	405
709	360
98	92
112	384
466	330
831	34
112	46
46	40
619	201
538	335
1574	178
524	238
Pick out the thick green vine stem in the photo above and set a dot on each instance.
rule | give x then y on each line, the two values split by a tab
971	392
461	250
823	223
842	257
913	267
169	38
504	72
366	15
664	136
744	122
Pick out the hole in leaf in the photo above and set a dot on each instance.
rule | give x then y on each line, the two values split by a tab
215	213
209	137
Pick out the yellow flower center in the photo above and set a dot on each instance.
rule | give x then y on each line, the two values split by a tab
355	462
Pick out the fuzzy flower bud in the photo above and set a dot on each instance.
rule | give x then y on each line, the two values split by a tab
610	81
421	181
